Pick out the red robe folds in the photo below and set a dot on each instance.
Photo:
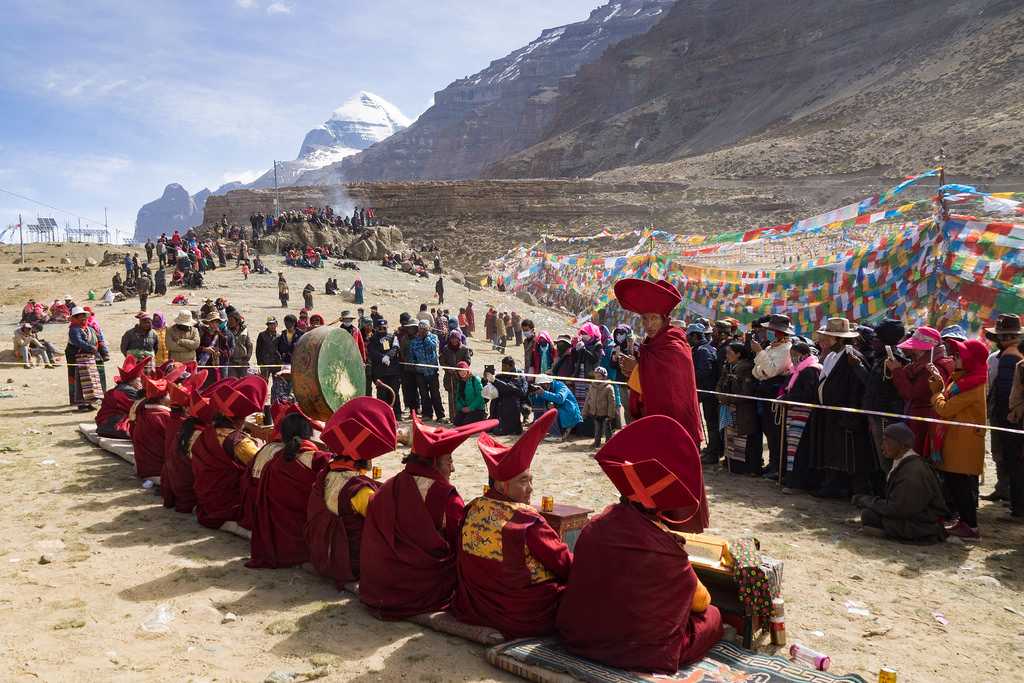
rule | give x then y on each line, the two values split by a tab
512	568
217	473
333	530
176	481
112	417
148	431
279	510
670	388
407	556
628	600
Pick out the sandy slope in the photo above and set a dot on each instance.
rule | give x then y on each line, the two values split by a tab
116	554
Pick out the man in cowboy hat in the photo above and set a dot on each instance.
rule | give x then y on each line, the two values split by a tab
348	324
772	365
182	338
841	445
512	565
1006	449
633	601
412	529
664	365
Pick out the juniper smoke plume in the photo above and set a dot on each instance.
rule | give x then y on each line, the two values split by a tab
340	201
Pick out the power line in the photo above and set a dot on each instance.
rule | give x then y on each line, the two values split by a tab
53	208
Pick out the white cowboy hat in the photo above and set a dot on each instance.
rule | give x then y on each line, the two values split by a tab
78	310
183	318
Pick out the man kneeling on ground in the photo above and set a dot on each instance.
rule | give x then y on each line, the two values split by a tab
913	507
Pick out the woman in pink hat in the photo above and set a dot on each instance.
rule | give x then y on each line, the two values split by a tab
924	346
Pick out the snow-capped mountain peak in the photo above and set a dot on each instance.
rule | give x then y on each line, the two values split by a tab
363	120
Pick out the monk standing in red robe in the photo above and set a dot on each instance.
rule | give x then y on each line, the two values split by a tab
112	417
222	454
664	368
362	429
148	418
512	565
633	600
407	558
176	486
285	471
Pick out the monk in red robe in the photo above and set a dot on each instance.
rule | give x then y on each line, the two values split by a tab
285	471
633	600
112	417
148	418
664	368
411	533
222	454
176	485
362	429
512	565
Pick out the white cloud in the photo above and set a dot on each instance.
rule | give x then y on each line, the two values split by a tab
246	4
278	8
246	176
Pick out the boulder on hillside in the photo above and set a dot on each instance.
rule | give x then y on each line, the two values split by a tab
65	261
112	258
90	261
376	243
526	298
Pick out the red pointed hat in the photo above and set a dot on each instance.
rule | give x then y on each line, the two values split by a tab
279	411
433	442
362	429
246	397
173	372
202	405
644	296
181	394
508	462
131	370
648	462
154	388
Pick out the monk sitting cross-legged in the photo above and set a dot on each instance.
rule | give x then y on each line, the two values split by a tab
176	475
285	471
360	430
222	454
149	418
250	483
633	600
512	565
112	417
407	555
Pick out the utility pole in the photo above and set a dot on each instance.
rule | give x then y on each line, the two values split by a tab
277	204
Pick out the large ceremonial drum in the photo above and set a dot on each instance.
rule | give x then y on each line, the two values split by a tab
327	371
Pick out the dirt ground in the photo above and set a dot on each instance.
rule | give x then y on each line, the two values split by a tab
87	555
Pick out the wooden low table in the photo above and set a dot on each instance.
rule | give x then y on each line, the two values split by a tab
567	521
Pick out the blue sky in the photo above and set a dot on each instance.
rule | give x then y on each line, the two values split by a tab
104	102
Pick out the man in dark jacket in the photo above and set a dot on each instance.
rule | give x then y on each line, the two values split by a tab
512	392
383	349
913	507
286	340
144	286
706	370
410	390
140	341
880	393
267	355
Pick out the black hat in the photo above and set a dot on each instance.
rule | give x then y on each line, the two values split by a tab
1005	324
890	331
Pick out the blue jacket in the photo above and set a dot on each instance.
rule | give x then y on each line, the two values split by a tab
569	414
424	350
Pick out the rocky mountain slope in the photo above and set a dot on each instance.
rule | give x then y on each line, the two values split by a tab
735	88
174	210
360	122
500	110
